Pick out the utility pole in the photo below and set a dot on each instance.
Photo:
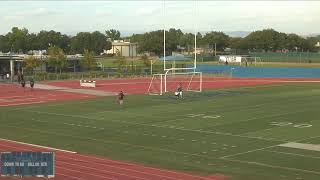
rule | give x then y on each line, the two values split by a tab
11	65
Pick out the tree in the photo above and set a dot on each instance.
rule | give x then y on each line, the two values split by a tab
18	40
219	38
57	58
95	42
88	60
146	60
113	34
312	41
31	63
4	44
187	41
45	39
121	63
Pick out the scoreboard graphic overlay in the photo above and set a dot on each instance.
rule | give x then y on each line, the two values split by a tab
27	164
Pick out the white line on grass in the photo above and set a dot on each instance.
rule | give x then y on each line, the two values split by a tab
153	125
293	154
254	150
173	151
273	166
38	146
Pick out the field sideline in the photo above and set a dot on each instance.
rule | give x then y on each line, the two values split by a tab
237	133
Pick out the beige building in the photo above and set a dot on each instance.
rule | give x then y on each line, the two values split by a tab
122	48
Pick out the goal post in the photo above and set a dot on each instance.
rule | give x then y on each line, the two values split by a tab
163	83
156	85
195	83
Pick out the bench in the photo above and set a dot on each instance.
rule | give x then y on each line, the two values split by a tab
86	83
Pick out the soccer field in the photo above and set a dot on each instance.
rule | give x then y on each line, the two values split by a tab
243	133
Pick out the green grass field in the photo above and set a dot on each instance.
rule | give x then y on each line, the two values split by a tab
235	132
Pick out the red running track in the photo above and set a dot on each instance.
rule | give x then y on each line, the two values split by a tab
140	85
70	166
11	94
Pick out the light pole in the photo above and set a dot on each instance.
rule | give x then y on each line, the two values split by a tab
11	64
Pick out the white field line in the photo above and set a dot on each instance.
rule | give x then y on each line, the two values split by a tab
308	138
275	115
52	105
293	154
267	147
158	126
38	146
64	167
254	150
147	167
273	166
268	129
188	154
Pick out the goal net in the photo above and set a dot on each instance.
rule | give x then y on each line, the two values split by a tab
156	84
162	83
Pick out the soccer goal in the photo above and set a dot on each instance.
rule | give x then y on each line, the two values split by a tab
163	83
156	85
252	60
175	76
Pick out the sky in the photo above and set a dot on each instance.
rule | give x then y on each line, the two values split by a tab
70	17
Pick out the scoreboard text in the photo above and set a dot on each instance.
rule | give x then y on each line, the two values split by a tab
27	164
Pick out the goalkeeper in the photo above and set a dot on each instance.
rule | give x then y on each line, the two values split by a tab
179	92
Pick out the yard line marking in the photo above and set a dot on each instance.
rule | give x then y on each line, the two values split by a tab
254	150
294	154
304	146
153	125
304	139
38	146
273	166
177	152
58	104
124	143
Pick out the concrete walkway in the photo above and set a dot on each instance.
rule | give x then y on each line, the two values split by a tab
80	91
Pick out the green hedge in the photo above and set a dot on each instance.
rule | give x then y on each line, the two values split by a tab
303	57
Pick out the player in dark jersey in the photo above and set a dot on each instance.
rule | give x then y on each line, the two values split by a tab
120	97
23	84
178	93
31	83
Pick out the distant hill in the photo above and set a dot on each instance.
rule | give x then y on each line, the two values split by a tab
310	35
